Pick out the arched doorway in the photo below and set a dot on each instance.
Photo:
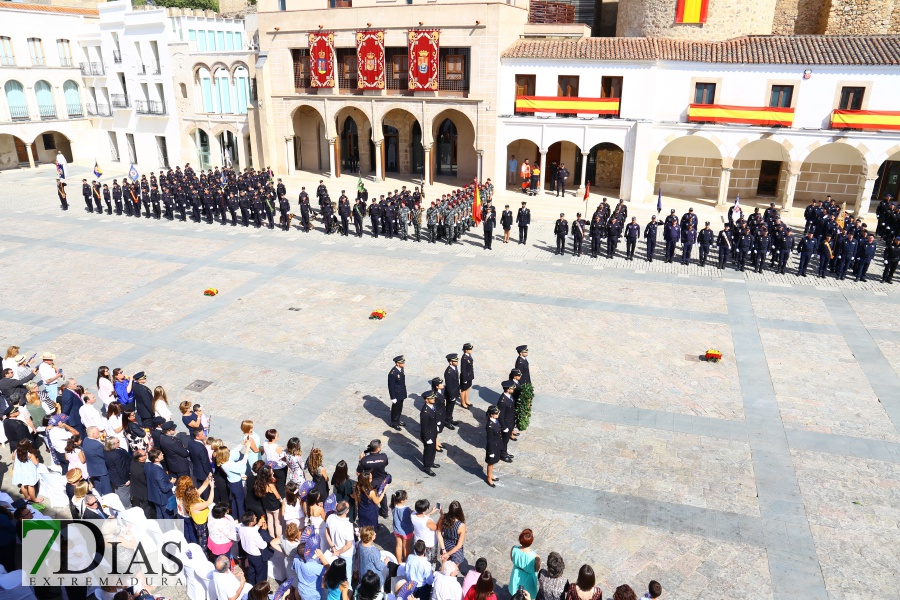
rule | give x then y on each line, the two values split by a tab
13	153
48	144
229	150
604	167
350	146
201	144
391	148
832	169
888	181
689	166
759	170
310	142
418	151
561	154
355	147
520	150
446	149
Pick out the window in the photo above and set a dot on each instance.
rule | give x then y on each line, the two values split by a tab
567	86
241	90
525	86
400	66
610	87
220	40
113	146
201	41
49	141
229	41
397	64
73	99
704	93
45	100
456	67
301	68
851	98
282	4
781	96
132	153
162	151
183	88
36	50
15	98
211	41
7	58
65	53
192	35
346	66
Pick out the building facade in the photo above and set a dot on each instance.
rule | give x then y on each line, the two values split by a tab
781	118
42	71
445	131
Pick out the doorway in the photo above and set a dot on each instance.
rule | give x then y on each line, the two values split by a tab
228	144
350	146
888	181
202	140
391	149
769	171
22	152
418	152
446	149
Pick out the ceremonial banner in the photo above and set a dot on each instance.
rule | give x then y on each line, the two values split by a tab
865	119
691	11
370	60
567	105
424	56
746	115
321	59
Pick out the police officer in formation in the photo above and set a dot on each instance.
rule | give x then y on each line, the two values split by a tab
561	230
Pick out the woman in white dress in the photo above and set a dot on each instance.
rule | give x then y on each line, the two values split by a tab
106	392
161	403
75	455
274	456
115	426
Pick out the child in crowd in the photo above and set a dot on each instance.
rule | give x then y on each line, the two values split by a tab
204	418
403	527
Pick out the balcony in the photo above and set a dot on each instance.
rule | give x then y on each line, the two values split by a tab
142	70
92	68
98	110
119	100
149	107
66	62
74	111
567	105
157	69
117	57
38	61
767	116
19	113
47	111
868	120
8	61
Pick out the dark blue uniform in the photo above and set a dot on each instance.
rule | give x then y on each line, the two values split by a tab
650	237
806	248
632	233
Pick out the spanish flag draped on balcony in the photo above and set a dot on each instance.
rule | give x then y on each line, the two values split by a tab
691	11
476	206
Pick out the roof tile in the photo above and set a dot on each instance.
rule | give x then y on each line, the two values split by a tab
67	10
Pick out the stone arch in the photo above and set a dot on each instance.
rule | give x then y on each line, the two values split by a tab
47	143
195	70
237	65
886	174
311	148
563	152
523	149
604	166
836	169
13	151
689	165
203	146
453	155
667	142
402	153
790	152
219	65
760	168
355	147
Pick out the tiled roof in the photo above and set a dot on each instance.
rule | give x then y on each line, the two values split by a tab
755	49
64	10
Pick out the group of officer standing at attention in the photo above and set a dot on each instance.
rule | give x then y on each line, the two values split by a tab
453	388
840	244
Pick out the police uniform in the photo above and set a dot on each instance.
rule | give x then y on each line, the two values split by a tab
451	389
507	419
428	430
397	391
561	229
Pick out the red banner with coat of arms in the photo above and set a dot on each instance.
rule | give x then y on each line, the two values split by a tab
424	46
321	59
370	60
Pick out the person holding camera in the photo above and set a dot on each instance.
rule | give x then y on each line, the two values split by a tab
525	565
374	460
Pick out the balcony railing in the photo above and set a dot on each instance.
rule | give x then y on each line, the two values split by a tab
142	70
119	100
92	68
768	116
157	69
868	120
19	113
74	111
149	107
98	110
38	61
65	62
47	111
117	57
566	105
8	61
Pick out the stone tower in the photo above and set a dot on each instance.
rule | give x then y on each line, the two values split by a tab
727	19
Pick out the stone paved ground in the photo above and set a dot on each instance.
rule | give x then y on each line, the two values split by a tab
773	474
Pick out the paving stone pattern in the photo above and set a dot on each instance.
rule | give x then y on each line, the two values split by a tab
773	474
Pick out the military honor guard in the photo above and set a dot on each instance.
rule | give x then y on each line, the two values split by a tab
428	431
397	391
451	389
466	375
493	447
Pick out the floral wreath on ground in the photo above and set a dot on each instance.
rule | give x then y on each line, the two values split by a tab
210	292
713	356
378	314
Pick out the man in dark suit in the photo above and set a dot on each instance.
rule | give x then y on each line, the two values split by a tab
451	390
428	423
507	418
143	397
397	391
138	484
71	405
159	486
15	430
95	461
92	508
200	464
522	364
177	458
118	463
156	432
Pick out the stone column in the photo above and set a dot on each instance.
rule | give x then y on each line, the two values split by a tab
332	152
379	161
479	171
580	182
724	179
28	148
291	161
426	176
864	199
787	202
242	153
543	171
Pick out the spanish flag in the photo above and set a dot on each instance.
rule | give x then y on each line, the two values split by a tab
691	11
476	206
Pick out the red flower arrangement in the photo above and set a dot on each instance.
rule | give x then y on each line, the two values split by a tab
378	314
713	356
